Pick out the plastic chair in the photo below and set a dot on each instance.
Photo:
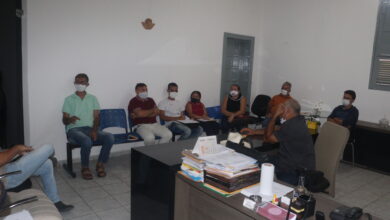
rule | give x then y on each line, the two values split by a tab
329	146
214	112
108	118
259	106
116	118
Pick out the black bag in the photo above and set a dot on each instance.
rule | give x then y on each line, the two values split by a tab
315	181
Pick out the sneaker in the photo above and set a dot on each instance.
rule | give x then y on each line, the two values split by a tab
63	207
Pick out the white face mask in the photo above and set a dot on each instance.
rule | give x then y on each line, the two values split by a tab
143	95
282	120
80	87
284	92
346	102
233	93
172	95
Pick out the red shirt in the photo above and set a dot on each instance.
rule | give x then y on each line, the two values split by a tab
144	104
197	108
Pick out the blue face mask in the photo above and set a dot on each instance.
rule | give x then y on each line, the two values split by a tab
143	95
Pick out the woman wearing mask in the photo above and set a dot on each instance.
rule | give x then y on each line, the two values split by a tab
197	111
233	109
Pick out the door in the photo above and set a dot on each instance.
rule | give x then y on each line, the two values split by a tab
11	92
237	61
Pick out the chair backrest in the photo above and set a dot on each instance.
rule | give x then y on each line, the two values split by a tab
329	146
260	105
214	112
113	118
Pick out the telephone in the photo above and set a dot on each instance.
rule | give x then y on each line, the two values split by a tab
346	213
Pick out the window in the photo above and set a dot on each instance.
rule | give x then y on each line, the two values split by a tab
380	70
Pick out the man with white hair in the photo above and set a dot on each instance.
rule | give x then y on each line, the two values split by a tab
296	150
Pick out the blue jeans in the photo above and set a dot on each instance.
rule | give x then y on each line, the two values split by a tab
35	163
81	136
184	131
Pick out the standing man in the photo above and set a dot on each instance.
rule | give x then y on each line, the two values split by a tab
172	110
143	111
81	118
345	114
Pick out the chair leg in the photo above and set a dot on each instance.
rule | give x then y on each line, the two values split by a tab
353	154
69	161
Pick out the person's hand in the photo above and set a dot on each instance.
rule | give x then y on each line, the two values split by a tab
73	119
156	111
279	111
231	118
94	135
23	149
247	131
182	117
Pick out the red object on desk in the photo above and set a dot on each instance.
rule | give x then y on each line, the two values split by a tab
274	212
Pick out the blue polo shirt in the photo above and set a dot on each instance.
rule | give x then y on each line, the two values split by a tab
349	116
82	108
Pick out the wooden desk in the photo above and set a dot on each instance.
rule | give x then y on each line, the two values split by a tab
371	146
375	127
193	201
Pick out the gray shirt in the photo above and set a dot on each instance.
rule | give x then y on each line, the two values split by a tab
296	145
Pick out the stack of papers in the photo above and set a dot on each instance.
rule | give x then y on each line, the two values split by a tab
192	168
229	162
220	168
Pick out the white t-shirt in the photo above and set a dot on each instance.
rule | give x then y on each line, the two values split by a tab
171	108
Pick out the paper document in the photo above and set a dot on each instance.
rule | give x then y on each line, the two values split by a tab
205	120
277	188
22	215
228	161
235	137
208	145
187	120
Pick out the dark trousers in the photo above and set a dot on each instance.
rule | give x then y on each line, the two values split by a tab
210	127
236	125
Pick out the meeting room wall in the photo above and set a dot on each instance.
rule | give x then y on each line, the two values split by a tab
106	40
323	48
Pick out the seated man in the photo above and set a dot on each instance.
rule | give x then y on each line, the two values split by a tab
34	162
143	112
296	144
276	101
172	110
272	106
345	114
81	117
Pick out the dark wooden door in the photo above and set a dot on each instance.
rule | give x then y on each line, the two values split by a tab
11	91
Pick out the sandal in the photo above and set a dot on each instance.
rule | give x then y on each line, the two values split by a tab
100	170
86	173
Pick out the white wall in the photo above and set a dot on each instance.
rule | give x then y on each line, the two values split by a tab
323	48
106	40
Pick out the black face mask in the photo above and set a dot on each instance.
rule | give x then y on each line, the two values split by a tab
195	100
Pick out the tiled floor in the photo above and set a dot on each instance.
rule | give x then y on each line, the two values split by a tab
100	198
109	197
363	188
